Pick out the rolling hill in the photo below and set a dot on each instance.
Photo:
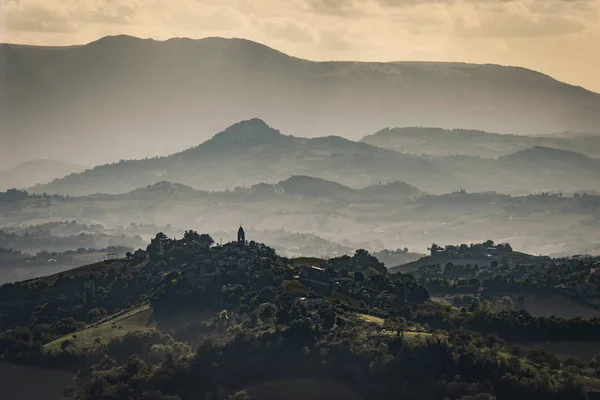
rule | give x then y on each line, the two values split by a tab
481	260
446	142
553	158
297	185
252	152
307	186
122	97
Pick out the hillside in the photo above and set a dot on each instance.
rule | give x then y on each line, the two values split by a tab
563	160
122	97
160	191
446	142
251	152
313	187
34	172
307	186
234	321
470	257
553	167
537	169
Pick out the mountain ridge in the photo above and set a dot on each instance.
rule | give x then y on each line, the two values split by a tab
449	142
128	93
246	153
252	152
295	185
131	38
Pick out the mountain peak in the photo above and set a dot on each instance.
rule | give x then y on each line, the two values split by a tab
248	133
117	40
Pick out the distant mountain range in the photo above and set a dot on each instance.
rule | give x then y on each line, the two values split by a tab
122	97
298	185
251	152
446	142
35	172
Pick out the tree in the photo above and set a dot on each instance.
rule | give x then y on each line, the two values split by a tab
434	249
206	240
157	246
418	294
267	312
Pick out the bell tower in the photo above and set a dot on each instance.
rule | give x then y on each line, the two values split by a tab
241	237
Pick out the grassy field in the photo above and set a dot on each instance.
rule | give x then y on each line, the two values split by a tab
106	266
301	389
371	319
341	297
115	326
308	262
20	382
408	334
295	286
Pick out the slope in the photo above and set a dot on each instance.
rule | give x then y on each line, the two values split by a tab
445	142
119	97
250	152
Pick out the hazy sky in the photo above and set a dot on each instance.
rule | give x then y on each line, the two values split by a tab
558	37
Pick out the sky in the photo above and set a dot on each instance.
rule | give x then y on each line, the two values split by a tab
558	37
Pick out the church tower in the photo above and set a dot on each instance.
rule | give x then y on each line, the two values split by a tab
241	237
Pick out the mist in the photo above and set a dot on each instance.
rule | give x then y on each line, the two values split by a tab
213	218
127	98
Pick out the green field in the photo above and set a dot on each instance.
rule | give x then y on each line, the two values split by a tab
341	297
295	286
136	319
371	319
308	262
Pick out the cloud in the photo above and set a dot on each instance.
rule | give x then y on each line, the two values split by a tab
517	19
336	7
62	16
333	40
288	31
521	26
37	17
